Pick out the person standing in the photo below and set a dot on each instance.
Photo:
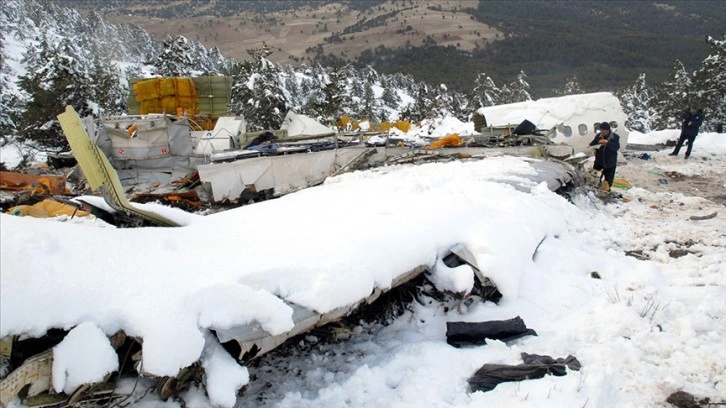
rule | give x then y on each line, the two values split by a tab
692	119
606	156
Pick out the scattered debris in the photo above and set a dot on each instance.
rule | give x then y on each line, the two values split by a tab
535	366
682	399
645	148
485	288
46	184
703	217
622	183
98	170
48	208
187	185
34	375
281	174
61	160
249	341
677	253
465	333
637	254
449	140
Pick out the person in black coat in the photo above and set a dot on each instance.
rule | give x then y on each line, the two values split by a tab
692	119
606	156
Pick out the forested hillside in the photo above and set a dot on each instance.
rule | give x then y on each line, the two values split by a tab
605	44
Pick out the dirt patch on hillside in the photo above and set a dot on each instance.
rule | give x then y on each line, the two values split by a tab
700	176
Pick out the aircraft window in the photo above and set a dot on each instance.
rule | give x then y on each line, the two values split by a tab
614	125
567	131
582	129
596	127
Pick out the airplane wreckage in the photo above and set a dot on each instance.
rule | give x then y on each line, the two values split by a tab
160	157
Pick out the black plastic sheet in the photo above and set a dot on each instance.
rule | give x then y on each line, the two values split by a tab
465	333
535	366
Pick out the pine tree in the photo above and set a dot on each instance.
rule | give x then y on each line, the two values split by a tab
369	105
218	64
635	101
8	113
295	98
711	82
108	91
572	87
59	82
421	108
460	108
672	96
334	98
200	64
257	93
517	91
175	58
7	121
485	92
390	97
443	101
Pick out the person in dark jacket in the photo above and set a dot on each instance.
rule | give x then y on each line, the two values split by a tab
606	156
692	119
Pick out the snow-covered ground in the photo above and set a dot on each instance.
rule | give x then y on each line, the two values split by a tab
645	329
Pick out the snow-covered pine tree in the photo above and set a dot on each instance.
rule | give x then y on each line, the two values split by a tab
199	60
572	87
421	107
103	38
357	87
710	80
312	102
671	97
369	104
635	101
517	91
404	82
109	87
175	58
460	108
390	97
370	75
334	97
442	102
7	124
307	90
218	64
257	93
8	102
293	90
58	81
138	42
485	92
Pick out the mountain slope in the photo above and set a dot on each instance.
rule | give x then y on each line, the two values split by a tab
606	44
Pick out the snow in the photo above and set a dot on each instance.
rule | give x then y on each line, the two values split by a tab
84	356
548	112
706	143
13	50
644	330
223	374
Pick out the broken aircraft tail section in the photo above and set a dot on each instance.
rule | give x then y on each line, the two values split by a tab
98	170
